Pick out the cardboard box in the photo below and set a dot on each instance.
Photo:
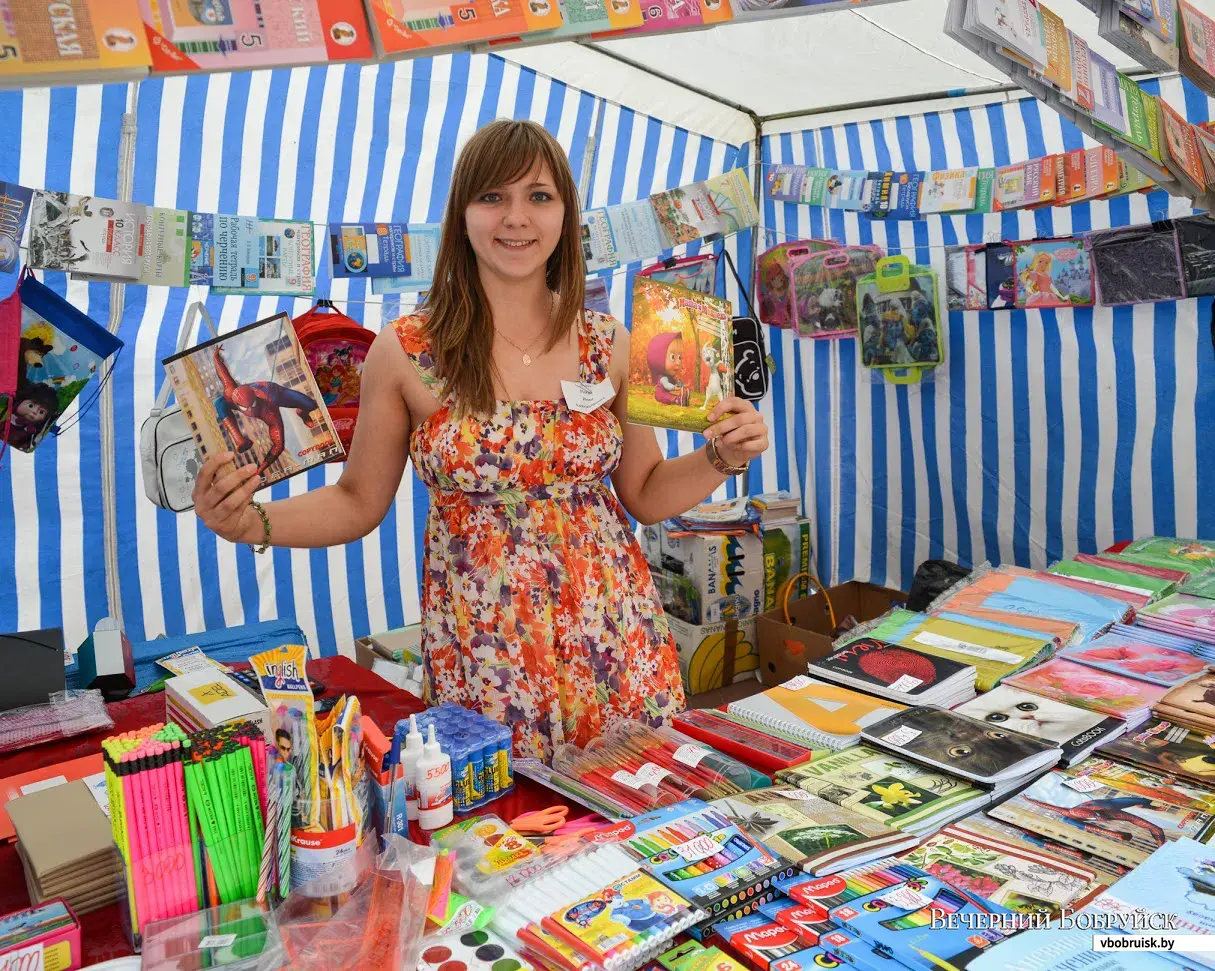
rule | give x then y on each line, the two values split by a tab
683	597
710	655
407	641
780	550
785	650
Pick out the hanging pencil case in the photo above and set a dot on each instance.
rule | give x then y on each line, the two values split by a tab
900	329
697	273
772	278
966	277
824	289
1139	264
1050	273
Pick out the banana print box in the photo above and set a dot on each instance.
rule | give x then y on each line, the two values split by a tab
702	650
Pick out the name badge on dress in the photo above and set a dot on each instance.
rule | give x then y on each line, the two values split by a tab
585	397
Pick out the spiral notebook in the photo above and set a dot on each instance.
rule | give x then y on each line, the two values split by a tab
821	714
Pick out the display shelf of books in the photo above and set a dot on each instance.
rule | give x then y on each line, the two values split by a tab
127	40
1035	49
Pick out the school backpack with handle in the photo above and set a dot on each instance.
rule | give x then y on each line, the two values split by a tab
168	456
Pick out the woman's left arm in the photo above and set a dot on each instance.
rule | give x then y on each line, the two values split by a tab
652	488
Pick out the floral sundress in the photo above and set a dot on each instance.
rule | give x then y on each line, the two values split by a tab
538	608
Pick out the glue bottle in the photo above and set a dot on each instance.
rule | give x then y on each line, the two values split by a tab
409	768
434	785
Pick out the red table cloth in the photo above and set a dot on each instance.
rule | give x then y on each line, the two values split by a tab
102	933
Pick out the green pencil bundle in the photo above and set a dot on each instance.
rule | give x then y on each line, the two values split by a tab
225	770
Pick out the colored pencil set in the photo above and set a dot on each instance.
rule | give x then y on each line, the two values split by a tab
187	813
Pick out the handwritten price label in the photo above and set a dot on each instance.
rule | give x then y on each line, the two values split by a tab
25	959
700	848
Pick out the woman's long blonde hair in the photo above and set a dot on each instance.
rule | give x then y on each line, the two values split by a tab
459	324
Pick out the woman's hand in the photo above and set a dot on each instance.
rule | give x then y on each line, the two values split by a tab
740	430
221	500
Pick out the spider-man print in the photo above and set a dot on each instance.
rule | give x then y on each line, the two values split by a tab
262	400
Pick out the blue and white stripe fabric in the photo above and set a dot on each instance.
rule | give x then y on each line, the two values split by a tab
347	142
1044	433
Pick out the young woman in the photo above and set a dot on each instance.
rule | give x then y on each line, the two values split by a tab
537	604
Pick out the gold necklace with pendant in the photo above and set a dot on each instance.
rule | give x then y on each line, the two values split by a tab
525	351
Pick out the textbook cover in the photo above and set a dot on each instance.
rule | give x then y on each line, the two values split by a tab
207	35
86	41
251	392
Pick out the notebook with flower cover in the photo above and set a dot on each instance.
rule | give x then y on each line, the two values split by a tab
1077	684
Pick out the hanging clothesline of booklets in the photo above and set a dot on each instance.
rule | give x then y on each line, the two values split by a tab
107	240
1064	179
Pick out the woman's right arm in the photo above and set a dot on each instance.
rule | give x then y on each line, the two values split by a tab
334	514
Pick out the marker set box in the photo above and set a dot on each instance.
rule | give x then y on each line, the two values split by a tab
595	911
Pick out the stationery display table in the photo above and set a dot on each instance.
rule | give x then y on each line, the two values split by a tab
102	933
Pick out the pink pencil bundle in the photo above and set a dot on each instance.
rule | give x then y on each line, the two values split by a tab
150	819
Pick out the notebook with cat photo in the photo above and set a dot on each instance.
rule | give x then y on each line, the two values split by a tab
897	673
815	711
1077	731
969	748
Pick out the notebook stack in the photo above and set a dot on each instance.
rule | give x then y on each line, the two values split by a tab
819	836
897	673
1191	705
814	712
1100	691
1077	731
965	747
66	847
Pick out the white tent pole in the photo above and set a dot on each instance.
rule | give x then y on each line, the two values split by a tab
589	156
126	180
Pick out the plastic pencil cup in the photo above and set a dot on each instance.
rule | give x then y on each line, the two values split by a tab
158	885
239	936
323	862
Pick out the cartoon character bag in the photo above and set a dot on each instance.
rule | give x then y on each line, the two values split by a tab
336	348
772	283
60	350
824	289
900	329
1051	273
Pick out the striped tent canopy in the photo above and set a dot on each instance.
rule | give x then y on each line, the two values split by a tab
1044	432
353	143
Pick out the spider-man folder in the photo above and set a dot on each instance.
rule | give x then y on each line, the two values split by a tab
252	393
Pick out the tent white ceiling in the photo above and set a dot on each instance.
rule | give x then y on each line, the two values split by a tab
788	66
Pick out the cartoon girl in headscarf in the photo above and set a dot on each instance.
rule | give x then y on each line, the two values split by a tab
665	357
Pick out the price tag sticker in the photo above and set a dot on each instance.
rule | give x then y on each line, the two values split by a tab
799	794
1083	783
650	774
796	684
216	940
906	683
626	779
691	755
700	848
584	397
906	899
901	736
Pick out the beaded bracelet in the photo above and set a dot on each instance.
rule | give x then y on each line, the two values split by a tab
261	511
